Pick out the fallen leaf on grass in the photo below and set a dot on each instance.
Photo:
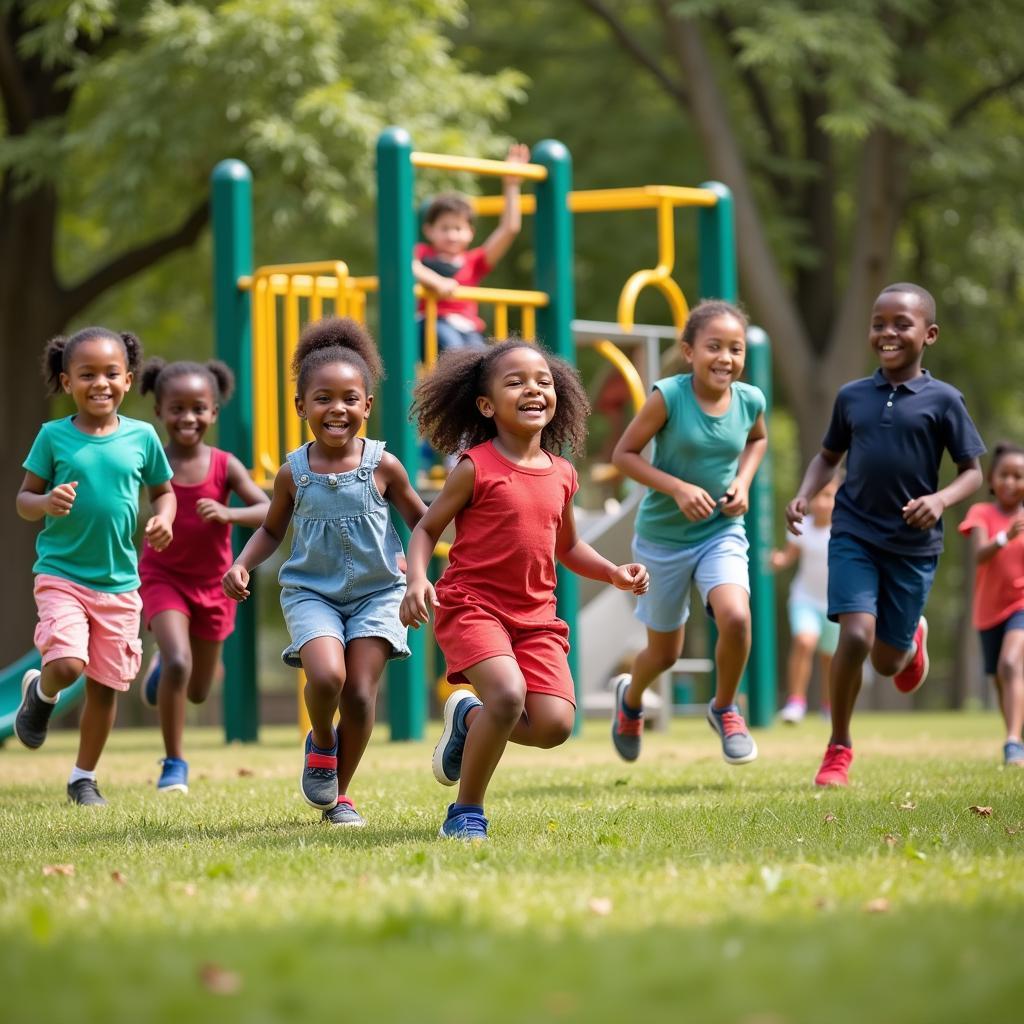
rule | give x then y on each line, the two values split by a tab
118	877
67	870
218	980
244	773
600	905
829	818
879	905
908	806
890	840
552	826
981	812
1012	831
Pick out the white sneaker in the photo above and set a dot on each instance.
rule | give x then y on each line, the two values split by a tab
793	712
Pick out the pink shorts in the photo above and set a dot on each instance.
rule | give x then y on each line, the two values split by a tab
98	628
469	634
211	613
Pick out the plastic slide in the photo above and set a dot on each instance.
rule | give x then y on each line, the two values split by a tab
10	692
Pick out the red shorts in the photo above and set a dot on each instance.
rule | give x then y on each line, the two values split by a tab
211	613
469	634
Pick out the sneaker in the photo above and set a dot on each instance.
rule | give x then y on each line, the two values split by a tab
468	826
33	716
319	779
173	776
447	760
152	683
738	746
627	730
916	672
344	813
793	712
835	766
1013	754
86	793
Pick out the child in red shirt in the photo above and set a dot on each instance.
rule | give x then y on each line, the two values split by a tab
505	408
995	529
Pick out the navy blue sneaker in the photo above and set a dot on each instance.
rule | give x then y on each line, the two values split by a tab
173	776
738	746
319	780
447	762
467	826
33	716
1013	754
152	683
344	813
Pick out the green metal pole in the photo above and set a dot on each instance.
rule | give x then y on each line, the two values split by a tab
407	688
231	210
761	668
554	275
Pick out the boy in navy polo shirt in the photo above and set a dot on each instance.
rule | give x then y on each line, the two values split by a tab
887	525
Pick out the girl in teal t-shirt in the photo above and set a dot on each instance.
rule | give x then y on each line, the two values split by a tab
82	477
709	438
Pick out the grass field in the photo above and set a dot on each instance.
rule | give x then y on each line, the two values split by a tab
674	889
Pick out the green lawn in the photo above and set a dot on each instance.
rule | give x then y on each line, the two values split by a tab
676	889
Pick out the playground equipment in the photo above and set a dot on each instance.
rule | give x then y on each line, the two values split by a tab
10	693
258	315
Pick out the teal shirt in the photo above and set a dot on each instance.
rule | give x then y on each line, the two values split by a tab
702	450
94	543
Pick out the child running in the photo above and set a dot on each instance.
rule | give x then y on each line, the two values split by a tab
995	529
709	438
809	625
887	528
183	602
342	585
507	408
82	476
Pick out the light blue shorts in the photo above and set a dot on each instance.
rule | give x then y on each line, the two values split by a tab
806	619
309	615
720	559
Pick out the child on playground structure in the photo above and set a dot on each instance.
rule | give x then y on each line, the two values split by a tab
183	602
887	526
82	476
996	529
809	625
446	261
709	438
507	408
342	584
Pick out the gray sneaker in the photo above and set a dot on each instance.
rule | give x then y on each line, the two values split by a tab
447	760
86	793
738	746
344	813
627	730
33	717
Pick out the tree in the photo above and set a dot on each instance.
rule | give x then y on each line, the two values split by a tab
114	114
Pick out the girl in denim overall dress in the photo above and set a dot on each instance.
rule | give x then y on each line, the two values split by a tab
342	585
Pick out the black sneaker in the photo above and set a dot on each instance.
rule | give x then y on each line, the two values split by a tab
86	793
33	717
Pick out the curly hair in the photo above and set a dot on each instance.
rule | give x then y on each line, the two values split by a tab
58	351
445	410
336	339
1001	450
703	313
157	374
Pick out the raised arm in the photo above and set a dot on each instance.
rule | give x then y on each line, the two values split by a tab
502	237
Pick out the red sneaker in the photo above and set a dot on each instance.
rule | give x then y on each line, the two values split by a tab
835	766
916	672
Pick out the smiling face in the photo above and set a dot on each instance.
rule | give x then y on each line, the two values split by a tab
97	378
335	403
451	234
520	393
1007	479
899	334
718	353
187	407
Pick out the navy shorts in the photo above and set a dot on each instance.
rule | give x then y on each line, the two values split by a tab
894	588
992	640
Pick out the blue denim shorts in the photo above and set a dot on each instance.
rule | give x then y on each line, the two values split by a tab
894	588
720	559
992	640
309	615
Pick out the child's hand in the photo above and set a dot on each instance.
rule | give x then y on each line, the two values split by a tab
444	286
694	502
159	532
419	598
777	561
213	511
236	582
795	512
923	513
736	500
518	153
1016	528
631	576
60	499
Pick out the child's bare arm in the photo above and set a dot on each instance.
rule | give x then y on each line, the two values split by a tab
820	470
239	482
511	222
398	490
580	558
34	501
925	512
737	496
437	283
160	526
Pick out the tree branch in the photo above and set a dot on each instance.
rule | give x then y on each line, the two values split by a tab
17	102
133	262
630	44
979	99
